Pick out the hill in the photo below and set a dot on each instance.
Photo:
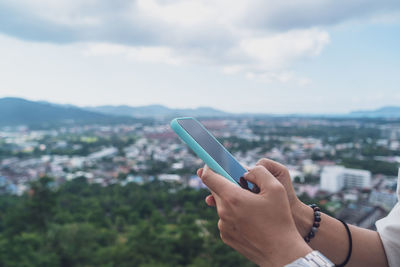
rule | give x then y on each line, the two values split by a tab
18	111
157	111
384	112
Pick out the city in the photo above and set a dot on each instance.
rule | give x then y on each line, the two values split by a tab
348	166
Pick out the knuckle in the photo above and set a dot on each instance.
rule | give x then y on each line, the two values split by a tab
262	161
205	176
283	169
258	169
220	225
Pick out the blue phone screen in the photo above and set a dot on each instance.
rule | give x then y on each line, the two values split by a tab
215	150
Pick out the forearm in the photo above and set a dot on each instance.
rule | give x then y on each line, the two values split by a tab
332	240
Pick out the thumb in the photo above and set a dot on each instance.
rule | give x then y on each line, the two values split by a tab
215	182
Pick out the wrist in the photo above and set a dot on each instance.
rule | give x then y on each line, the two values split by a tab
303	217
292	250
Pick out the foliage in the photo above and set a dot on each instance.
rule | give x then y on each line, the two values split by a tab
375	166
81	224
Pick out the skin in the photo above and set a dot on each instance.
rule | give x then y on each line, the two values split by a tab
331	238
259	226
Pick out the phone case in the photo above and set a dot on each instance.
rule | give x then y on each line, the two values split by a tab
200	152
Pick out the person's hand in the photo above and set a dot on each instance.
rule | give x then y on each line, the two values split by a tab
259	226
299	209
280	172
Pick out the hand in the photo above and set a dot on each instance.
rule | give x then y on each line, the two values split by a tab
301	213
280	172
259	226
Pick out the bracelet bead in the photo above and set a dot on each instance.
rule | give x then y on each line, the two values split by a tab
316	223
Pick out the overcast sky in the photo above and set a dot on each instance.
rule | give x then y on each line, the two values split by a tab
304	56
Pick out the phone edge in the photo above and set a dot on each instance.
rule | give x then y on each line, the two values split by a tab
197	149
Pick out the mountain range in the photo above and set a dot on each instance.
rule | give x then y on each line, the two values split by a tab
17	111
384	112
158	111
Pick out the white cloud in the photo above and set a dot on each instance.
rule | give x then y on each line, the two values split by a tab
262	37
153	54
284	77
180	13
259	58
268	58
280	50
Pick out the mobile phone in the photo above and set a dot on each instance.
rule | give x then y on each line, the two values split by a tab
212	152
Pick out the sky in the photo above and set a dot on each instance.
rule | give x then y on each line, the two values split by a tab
264	56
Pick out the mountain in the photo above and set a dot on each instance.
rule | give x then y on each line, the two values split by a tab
157	111
17	111
384	112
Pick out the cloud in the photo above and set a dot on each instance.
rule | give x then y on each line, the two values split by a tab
284	77
284	15
279	50
267	58
184	22
153	54
261	37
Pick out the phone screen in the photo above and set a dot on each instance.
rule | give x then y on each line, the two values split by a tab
216	151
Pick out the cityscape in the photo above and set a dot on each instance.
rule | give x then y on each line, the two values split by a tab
91	173
348	166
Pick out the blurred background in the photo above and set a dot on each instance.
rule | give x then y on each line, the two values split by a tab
92	175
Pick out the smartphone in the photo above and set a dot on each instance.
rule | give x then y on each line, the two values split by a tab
212	152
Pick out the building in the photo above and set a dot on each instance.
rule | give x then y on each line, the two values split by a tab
335	178
386	200
361	215
107	152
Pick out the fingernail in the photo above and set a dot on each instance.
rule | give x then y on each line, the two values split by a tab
245	174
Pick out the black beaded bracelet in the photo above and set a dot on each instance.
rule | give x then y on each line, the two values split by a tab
316	224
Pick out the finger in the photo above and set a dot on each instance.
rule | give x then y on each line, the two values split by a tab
199	172
275	168
215	182
210	201
245	185
261	177
226	232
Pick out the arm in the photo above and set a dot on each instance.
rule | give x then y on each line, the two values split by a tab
332	241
